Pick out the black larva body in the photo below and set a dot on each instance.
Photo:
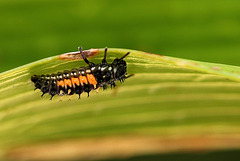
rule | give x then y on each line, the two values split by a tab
83	79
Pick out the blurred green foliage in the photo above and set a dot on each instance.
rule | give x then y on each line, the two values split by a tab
207	30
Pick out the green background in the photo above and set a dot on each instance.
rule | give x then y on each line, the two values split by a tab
207	30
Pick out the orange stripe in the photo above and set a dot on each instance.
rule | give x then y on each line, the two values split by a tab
91	79
68	82
75	81
83	79
60	83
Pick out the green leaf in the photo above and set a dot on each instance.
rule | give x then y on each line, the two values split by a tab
169	105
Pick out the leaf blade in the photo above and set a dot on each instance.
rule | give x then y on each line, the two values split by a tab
167	98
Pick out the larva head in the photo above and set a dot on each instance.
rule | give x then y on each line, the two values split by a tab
120	67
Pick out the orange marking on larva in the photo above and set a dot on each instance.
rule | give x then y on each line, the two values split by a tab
83	79
69	91
60	83
91	79
68	82
97	90
75	81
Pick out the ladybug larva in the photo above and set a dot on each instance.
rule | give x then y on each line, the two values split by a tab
83	79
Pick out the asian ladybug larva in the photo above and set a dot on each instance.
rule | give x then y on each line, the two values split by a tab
83	79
